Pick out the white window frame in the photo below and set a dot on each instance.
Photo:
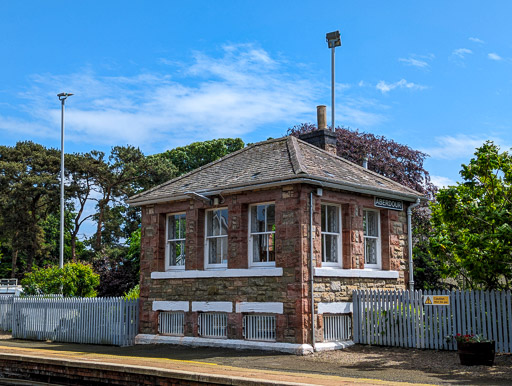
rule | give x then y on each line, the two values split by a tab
339	263
168	241
377	266
207	241
251	234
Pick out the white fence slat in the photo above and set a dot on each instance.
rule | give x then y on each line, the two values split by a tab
509	322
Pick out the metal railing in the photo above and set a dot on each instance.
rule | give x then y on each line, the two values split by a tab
111	321
213	325
171	323
337	327
259	327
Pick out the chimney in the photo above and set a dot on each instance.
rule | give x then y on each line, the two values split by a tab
365	162
323	137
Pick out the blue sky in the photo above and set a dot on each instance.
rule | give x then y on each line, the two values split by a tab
433	75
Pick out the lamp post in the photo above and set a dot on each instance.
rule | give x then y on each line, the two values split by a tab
62	97
333	41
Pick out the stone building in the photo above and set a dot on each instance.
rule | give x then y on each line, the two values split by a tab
238	253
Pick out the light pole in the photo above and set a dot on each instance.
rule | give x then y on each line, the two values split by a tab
62	97
333	41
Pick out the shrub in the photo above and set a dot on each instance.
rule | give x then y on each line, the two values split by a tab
74	279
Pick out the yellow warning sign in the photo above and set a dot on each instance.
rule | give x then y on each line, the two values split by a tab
436	300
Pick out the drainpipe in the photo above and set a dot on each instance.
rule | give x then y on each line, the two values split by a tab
313	343
409	235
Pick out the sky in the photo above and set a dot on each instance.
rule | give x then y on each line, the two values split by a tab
434	75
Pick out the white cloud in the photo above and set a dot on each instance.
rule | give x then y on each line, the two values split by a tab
462	52
442	182
240	90
385	87
476	40
460	146
494	56
414	62
230	95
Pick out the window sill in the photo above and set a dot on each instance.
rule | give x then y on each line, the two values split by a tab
251	272
377	274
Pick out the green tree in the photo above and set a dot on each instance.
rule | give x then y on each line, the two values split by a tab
74	279
472	233
28	192
197	154
126	172
82	169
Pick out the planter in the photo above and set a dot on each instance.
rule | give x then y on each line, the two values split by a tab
474	354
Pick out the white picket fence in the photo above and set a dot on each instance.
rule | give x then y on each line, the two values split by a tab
112	321
392	318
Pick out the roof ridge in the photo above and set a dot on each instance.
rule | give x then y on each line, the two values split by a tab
208	165
295	156
356	165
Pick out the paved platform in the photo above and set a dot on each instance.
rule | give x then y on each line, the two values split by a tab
147	362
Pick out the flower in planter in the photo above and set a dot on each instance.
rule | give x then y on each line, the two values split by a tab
468	338
474	349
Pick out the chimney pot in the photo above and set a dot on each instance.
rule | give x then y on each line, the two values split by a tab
321	117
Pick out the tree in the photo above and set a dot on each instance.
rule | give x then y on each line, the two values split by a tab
28	192
81	170
74	279
126	172
197	154
472	233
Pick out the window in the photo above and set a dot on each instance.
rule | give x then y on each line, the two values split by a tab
331	235
262	229
371	228
216	240
175	252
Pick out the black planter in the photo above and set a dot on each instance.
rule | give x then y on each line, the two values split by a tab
474	354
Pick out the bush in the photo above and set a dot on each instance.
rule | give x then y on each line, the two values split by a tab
74	279
133	293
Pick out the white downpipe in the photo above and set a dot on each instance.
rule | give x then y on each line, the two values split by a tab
409	242
311	282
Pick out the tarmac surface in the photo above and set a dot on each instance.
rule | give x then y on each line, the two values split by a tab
255	366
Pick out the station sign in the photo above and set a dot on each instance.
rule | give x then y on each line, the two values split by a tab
381	202
436	300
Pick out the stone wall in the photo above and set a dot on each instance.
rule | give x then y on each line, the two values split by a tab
292	255
290	289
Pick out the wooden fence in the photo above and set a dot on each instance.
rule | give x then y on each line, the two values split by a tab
111	321
402	319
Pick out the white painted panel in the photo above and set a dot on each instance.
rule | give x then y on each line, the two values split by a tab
292	348
367	273
159	305
335	308
263	307
212	307
251	272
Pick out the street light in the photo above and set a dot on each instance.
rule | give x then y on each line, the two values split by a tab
62	97
333	41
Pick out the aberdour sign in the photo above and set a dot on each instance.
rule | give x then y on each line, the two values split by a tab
388	204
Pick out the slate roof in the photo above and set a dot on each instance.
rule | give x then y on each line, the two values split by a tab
278	161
